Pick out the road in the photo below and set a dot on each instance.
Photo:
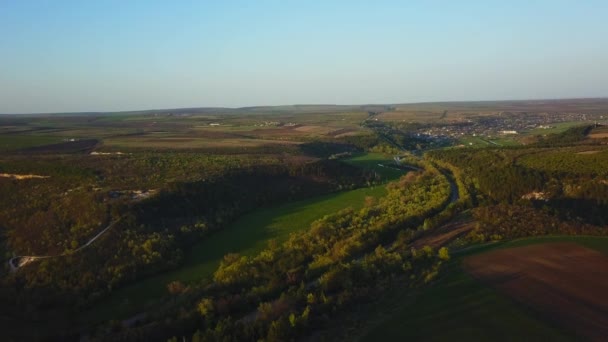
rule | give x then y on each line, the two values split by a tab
19	261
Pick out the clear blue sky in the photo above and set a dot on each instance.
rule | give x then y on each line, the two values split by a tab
120	55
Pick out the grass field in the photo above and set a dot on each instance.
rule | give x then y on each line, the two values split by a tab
16	142
247	236
506	141
485	142
370	161
457	307
558	127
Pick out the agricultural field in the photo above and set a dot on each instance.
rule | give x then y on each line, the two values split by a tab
599	132
559	280
9	142
554	128
181	131
399	115
460	306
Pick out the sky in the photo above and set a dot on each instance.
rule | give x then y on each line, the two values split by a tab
72	56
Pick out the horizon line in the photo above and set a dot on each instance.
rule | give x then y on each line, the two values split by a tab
303	105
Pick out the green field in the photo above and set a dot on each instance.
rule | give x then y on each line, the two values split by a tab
458	308
472	141
557	127
247	236
506	141
486	142
9	142
370	161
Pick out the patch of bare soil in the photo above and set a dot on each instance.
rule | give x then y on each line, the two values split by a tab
341	132
589	152
443	235
565	282
598	135
21	177
313	129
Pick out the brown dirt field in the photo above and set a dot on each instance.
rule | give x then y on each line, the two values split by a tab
598	135
589	152
315	129
271	132
443	235
353	133
565	282
342	131
216	134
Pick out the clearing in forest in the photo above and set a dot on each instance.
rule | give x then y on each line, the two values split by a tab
247	236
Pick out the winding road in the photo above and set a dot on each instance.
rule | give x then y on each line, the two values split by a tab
19	261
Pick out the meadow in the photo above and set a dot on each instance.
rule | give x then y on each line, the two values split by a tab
555	128
247	236
476	141
15	142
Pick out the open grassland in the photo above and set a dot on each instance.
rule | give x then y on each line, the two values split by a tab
476	141
372	161
506	141
473	141
10	142
246	236
458	307
556	128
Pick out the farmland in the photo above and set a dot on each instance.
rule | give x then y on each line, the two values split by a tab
444	310
262	222
15	142
303	171
559	280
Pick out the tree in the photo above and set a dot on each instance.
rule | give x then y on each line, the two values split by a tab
197	337
176	287
443	254
206	308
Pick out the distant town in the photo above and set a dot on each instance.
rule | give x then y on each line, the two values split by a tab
504	124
